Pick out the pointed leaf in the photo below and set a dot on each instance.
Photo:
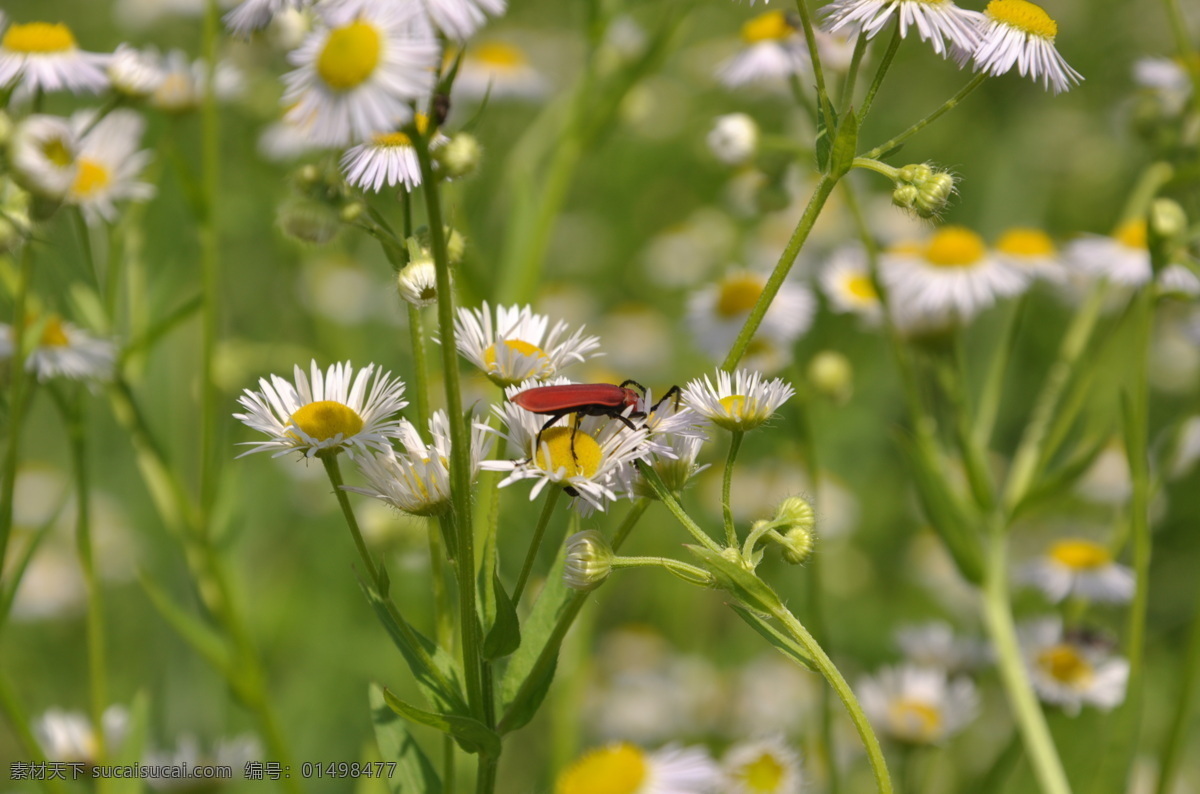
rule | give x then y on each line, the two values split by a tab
504	637
471	734
743	584
789	647
845	146
414	773
133	747
824	140
195	632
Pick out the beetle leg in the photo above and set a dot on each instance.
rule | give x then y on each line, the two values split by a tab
537	442
671	392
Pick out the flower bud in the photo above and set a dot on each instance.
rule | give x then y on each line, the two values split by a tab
734	139
460	156
795	520
589	560
923	189
456	244
831	375
1168	220
418	282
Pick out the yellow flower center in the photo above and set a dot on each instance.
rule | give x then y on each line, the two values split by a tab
91	178
1080	555
1027	243
859	286
504	56
585	461
53	334
1064	664
1024	16
1132	234
350	55
906	248
37	38
58	152
771	26
915	719
955	246
734	405
324	419
525	349
616	769
764	773
738	294
398	139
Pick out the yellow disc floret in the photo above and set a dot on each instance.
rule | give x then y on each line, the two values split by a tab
771	26
325	419
1066	666
955	246
53	334
914	719
584	461
350	55
90	178
522	347
860	287
764	773
738	293
1024	16
616	769
495	53
1132	234
1080	555
1025	243
38	38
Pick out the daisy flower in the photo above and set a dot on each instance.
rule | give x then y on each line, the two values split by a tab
360	72
733	139
389	158
1069	672
1030	252
738	402
716	313
939	22
623	768
1074	567
951	274
1166	79
134	73
1178	281
417	481
251	15
108	164
774	50
65	351
43	151
418	283
69	737
184	81
1122	258
498	70
459	19
846	282
41	57
935	645
332	412
917	705
1021	34
233	753
514	346
764	766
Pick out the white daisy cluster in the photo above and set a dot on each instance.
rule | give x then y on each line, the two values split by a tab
1082	569
1072	669
1008	34
717	312
918	705
773	51
63	351
457	19
515	344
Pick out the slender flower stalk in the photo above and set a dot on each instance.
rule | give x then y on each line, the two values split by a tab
211	436
536	543
885	63
949	104
18	401
726	486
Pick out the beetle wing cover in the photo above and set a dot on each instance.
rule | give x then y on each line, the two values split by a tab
570	397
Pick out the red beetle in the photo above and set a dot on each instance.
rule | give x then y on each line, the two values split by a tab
587	399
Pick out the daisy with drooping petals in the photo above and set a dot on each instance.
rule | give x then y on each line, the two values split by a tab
332	412
774	50
251	15
1070	672
41	57
951	274
917	705
624	768
513	346
498	70
1122	258
741	401
846	281
64	351
940	22
360	72
108	164
42	154
763	766
1030	252
717	312
417	481
1079	568
1021	34
388	159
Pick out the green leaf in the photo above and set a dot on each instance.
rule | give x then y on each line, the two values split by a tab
784	643
414	773
471	734
1061	479
845	146
434	670
824	142
741	583
195	632
504	637
132	749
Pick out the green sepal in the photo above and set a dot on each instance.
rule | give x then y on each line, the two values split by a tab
841	158
504	636
789	647
414	773
444	690
741	583
471	734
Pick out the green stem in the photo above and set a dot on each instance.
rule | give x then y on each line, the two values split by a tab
1172	747
847	97
973	455
993	386
1039	745
884	64
950	103
1183	43
20	725
814	52
443	615
416	332
775	281
672	504
689	573
727	485
535	543
829	670
85	245
210	264
16	400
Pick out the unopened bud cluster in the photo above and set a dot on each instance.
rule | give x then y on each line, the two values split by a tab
794	521
923	189
589	560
